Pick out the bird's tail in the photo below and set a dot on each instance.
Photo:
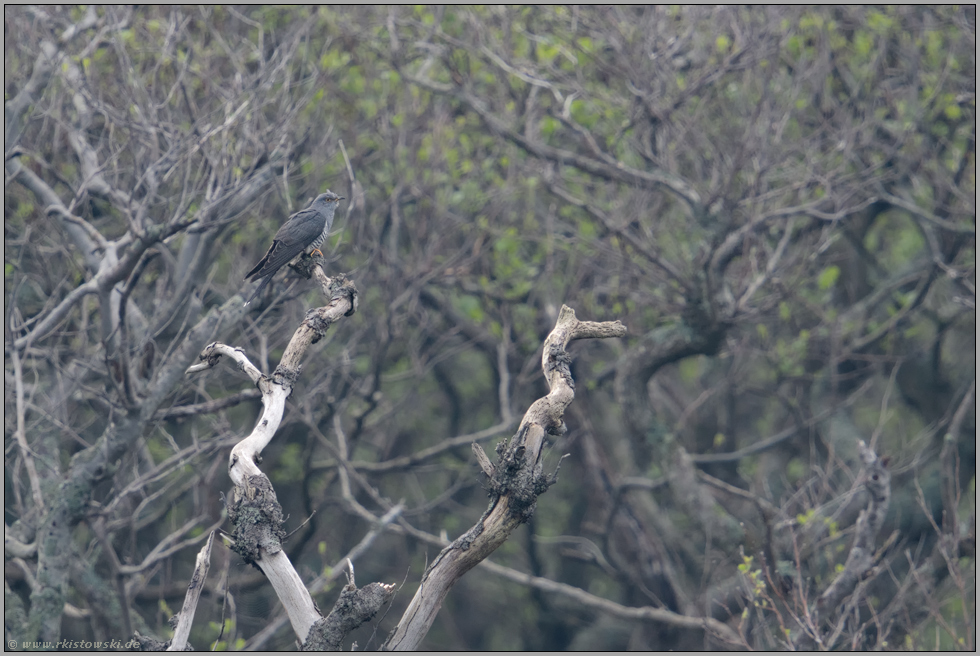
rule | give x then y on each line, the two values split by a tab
258	290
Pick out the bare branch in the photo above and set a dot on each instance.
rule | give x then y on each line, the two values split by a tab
194	589
20	435
619	172
516	483
710	625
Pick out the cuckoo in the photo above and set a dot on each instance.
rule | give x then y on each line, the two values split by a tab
305	229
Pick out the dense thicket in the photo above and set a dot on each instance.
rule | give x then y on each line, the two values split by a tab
778	202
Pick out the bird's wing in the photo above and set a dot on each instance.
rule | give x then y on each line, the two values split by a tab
302	227
262	262
293	237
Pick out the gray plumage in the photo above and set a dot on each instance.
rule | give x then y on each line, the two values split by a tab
306	229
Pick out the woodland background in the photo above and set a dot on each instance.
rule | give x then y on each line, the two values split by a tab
778	202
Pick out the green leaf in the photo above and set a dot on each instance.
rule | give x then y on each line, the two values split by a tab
863	42
546	52
828	277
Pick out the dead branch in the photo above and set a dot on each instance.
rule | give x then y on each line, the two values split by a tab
194	589
254	508
516	482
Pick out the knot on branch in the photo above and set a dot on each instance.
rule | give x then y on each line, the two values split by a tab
257	516
517	478
210	355
285	376
557	429
354	607
317	323
343	287
342	293
524	501
304	266
559	360
510	458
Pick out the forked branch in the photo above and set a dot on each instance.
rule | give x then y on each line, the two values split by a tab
254	508
515	482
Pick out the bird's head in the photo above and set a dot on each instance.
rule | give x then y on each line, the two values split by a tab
328	197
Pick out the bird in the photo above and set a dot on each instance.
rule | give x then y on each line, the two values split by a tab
302	230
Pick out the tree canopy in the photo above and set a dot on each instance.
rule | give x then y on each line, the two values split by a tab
777	202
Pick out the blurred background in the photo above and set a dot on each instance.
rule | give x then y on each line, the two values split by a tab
778	202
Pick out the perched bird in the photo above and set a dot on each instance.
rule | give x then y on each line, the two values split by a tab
304	229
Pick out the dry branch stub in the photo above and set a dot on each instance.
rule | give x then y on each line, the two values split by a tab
185	619
354	607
